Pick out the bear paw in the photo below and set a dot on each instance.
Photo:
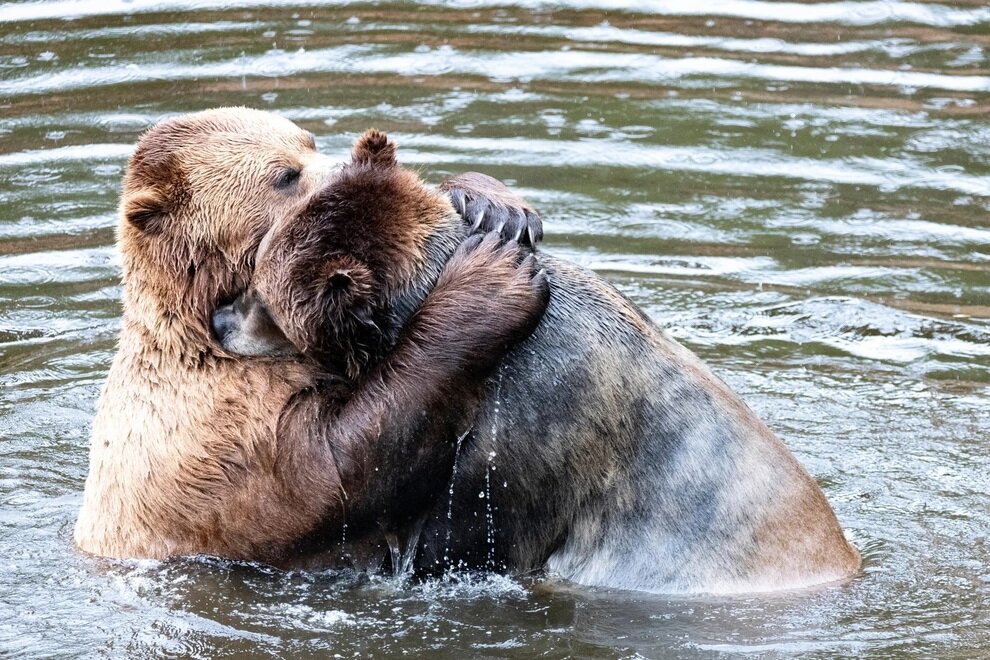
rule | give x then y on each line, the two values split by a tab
487	205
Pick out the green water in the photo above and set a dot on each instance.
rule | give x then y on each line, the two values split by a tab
799	191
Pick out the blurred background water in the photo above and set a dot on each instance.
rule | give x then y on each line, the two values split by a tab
799	191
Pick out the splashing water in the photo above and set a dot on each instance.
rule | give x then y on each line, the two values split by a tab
412	542
343	541
450	499
403	555
489	513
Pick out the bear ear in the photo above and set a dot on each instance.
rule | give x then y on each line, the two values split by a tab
347	287
340	280
146	210
374	148
346	276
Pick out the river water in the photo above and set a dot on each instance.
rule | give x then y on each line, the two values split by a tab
799	191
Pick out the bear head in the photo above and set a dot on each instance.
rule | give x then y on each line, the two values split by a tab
200	192
337	281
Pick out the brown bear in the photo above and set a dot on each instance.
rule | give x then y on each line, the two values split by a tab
603	450
346	273
198	451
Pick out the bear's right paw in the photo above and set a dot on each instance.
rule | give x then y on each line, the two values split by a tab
500	287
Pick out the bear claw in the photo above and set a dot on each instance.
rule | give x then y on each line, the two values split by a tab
488	205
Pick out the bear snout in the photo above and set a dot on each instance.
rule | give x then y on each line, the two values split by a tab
224	323
246	327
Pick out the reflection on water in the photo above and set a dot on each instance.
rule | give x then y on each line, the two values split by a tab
798	191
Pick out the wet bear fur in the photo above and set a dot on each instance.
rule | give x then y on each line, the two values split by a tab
602	449
198	451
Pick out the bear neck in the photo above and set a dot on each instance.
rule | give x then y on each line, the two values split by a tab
166	329
168	309
437	249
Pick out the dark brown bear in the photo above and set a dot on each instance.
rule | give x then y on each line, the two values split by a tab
343	277
602	450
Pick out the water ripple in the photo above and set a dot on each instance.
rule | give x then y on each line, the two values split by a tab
888	174
584	66
606	33
81	152
868	12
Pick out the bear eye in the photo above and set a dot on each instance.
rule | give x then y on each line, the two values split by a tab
287	178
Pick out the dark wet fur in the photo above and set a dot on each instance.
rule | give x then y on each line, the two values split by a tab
597	445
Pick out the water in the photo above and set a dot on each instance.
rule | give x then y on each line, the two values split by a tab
798	191
450	499
491	530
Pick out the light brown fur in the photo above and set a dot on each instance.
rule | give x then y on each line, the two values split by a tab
179	427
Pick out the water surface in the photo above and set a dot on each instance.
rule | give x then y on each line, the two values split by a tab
798	191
